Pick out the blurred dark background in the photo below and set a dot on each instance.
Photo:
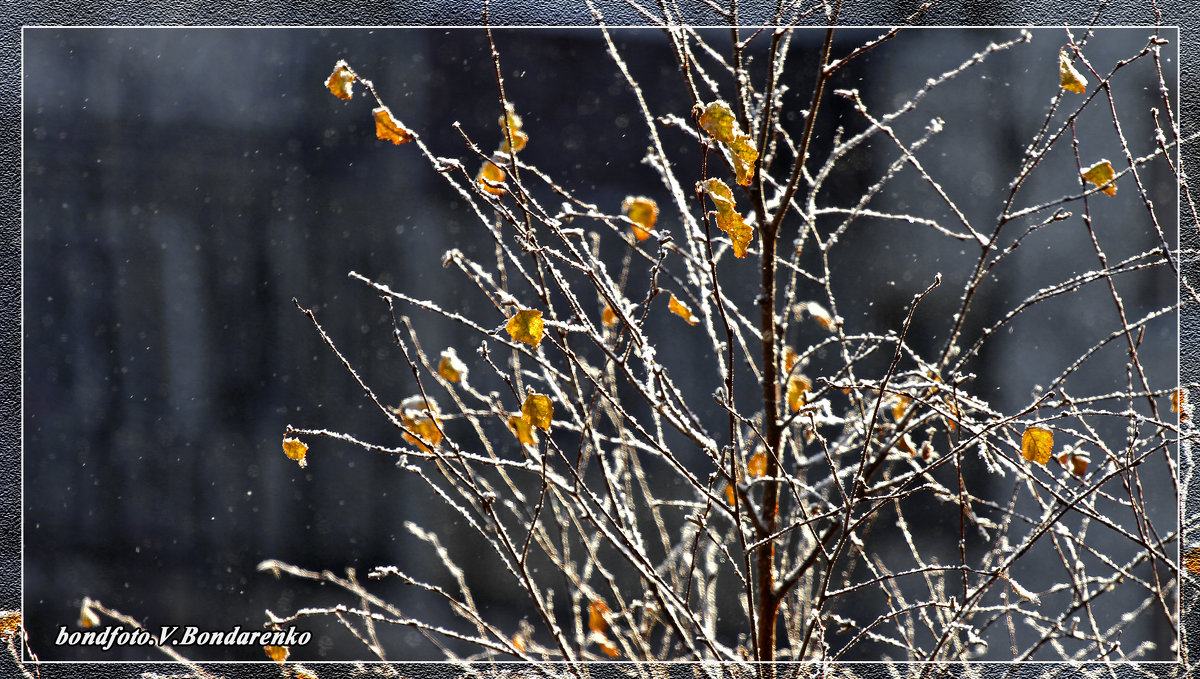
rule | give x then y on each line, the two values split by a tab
183	185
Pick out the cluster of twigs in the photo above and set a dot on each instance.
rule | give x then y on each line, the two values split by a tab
635	527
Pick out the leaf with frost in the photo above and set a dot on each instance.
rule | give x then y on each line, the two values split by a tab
341	81
538	410
451	366
821	315
420	416
277	653
643	212
512	122
491	178
295	450
1070	79
1037	444
728	219
1101	174
526	326
388	128
681	310
718	121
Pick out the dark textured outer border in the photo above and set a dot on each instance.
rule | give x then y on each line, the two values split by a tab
1182	13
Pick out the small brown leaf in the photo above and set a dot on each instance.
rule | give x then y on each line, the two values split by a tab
526	326
610	649
681	310
609	317
277	653
598	616
295	450
388	128
1101	174
1070	79
1179	403
341	81
538	410
644	214
1037	444
451	366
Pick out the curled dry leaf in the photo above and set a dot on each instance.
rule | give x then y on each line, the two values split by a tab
512	122
643	212
1179	403
1037	444
388	128
295	450
718	121
728	219
538	410
420	416
277	653
1070	79
341	81
681	310
1101	174
526	326
451	366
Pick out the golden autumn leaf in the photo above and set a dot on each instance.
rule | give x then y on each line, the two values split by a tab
757	464
681	310
491	178
538	410
295	450
10	622
797	388
1191	560
341	81
609	317
1179	403
277	653
598	616
512	122
718	121
730	494
644	213
1070	79
728	219
522	429
900	407
526	326
610	649
790	357
451	366
388	128
1037	444
87	617
420	416
1101	174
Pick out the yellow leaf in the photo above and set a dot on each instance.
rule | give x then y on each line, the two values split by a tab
538	410
10	622
421	418
526	326
730	494
1179	403
681	310
797	388
512	121
1070	78
900	407
728	219
491	178
277	653
598	616
718	121
1101	174
451	366
522	429
1037	444
341	81
609	317
757	464
644	213
388	128
87	617
1191	560
295	450
789	360
820	315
